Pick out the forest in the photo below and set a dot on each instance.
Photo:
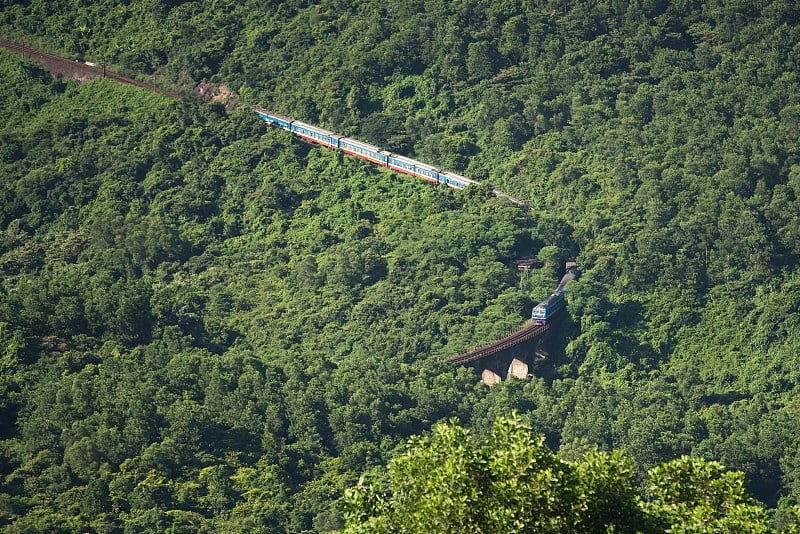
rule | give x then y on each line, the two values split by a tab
208	325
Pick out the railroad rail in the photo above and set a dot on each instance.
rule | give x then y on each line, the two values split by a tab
58	63
527	333
520	336
84	70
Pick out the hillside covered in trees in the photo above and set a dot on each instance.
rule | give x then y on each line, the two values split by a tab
206	324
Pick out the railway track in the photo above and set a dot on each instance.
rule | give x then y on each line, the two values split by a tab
524	334
83	71
71	69
520	336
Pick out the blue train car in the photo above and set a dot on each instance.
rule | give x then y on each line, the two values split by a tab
363	151
456	181
273	119
548	307
413	167
315	134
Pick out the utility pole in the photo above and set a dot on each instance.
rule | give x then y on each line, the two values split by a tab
104	67
524	270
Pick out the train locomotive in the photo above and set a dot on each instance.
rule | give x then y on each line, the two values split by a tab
549	307
365	151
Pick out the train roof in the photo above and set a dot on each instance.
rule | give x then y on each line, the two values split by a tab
271	114
552	298
414	162
458	177
313	128
359	144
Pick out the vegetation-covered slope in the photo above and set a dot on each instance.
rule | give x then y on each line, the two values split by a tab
205	318
656	140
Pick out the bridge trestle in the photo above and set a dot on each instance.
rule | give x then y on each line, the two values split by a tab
515	354
512	362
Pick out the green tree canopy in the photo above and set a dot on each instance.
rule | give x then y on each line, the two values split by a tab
511	482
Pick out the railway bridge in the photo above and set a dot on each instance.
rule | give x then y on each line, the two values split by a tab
511	356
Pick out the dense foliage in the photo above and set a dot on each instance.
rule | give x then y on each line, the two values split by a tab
514	484
210	325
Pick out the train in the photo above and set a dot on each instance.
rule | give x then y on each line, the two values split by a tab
549	307
371	153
